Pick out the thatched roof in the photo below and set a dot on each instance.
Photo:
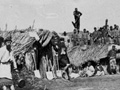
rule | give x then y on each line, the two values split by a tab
77	56
22	42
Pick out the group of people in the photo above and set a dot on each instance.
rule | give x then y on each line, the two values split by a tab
7	58
91	70
88	71
101	35
97	68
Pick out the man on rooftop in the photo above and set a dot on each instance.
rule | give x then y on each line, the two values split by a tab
77	15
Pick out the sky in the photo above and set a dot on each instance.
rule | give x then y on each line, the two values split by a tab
57	15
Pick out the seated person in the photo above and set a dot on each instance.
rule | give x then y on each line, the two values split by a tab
90	70
81	71
99	70
112	66
74	72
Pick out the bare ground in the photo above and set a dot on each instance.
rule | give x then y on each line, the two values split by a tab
109	82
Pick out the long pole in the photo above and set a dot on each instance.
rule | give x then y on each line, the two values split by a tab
33	24
6	27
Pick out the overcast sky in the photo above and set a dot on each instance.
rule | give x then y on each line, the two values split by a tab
57	14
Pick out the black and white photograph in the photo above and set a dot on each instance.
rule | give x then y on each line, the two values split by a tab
59	45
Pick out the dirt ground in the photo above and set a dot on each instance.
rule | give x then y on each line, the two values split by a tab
109	82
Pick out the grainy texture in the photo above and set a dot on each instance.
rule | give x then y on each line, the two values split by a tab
22	42
78	56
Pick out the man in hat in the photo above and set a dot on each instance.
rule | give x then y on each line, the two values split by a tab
99	69
112	53
112	58
6	57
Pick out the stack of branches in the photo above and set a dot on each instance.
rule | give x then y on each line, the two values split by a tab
77	56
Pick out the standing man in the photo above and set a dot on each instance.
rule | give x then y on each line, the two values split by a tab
112	53
112	59
64	61
77	15
6	58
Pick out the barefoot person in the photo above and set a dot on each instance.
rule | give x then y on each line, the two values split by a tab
6	58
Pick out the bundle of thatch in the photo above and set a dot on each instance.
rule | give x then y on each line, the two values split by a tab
78	56
22	41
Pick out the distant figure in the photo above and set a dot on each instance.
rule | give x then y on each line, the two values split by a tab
85	37
95	36
112	60
111	28
66	39
77	15
106	24
88	38
112	52
99	70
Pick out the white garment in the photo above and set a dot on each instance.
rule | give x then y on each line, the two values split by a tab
90	70
99	73
5	69
74	75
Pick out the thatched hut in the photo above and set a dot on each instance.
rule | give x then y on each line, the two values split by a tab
22	42
78	56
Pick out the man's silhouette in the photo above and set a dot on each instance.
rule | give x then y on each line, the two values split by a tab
77	15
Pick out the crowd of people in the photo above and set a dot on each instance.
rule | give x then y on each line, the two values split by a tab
102	35
97	68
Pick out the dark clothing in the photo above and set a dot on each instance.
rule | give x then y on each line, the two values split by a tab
99	68
62	57
77	15
63	60
112	53
1	41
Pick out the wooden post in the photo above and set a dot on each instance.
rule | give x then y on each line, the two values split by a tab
6	27
33	24
43	67
54	64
